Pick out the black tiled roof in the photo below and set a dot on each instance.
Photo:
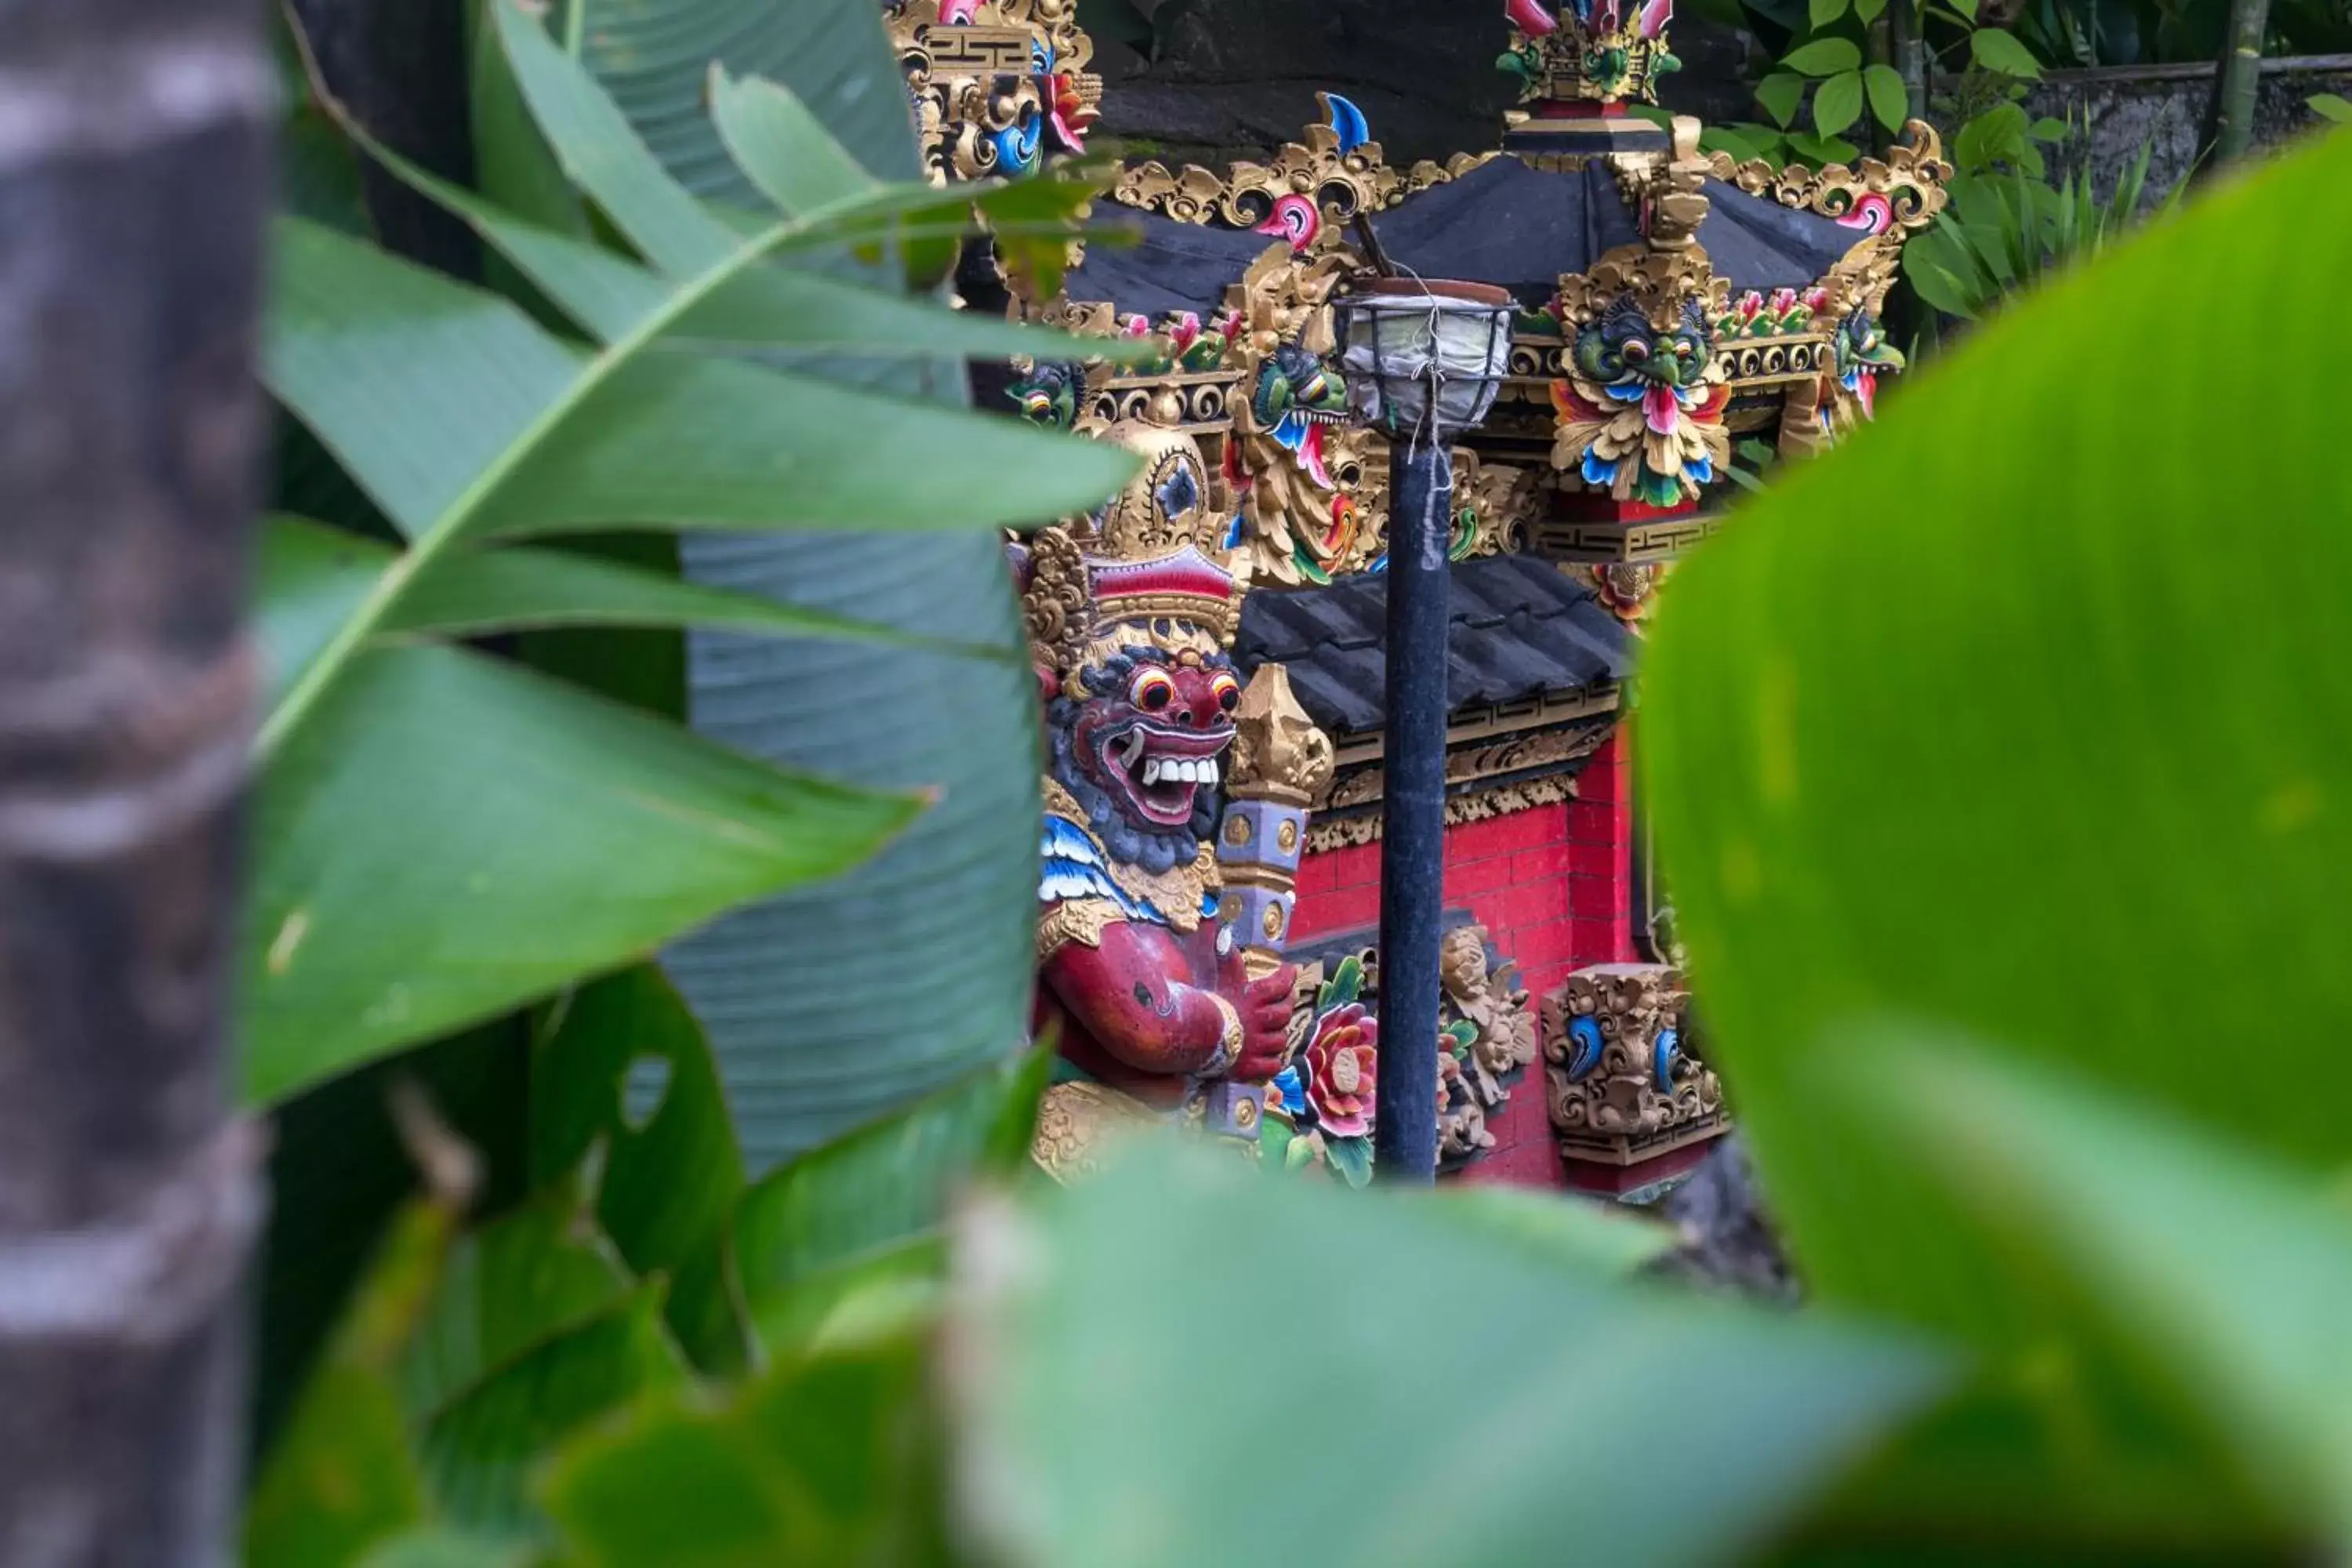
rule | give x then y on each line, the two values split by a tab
1522	628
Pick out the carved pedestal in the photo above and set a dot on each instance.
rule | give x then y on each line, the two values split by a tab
1633	1106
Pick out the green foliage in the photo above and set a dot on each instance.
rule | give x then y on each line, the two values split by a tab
1339	1372
2331	107
1907	787
916	968
1971	944
2005	230
493	869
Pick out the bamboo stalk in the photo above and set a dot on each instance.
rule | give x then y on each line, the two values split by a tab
2239	86
135	185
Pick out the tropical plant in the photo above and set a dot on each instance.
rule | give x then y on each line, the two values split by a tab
1974	951
447	835
2005	229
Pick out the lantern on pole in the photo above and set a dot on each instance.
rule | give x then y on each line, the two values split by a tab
1423	361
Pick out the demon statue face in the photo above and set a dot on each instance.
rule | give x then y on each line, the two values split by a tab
1863	356
1300	463
1156	1007
1640	412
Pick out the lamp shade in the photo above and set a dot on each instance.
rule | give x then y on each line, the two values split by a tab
1422	355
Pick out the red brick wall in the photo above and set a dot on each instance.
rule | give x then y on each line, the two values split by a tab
1553	886
1553	883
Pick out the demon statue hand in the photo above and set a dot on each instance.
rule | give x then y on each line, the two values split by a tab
1157	1015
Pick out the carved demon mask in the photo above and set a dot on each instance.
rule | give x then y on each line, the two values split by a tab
1623	351
1129	621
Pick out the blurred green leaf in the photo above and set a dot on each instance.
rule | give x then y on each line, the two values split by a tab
2036	865
1868	10
1838	103
781	146
1337	1349
879	1187
509	1286
2229	1277
834	1461
342	1475
916	968
440	1547
462	418
2331	106
2001	52
1824	150
1823	12
669	1170
1823	56
480	1449
1610	1240
494	803
313	577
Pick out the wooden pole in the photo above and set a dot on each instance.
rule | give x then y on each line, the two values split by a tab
134	186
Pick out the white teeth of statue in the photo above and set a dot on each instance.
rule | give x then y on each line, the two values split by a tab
1151	770
1208	773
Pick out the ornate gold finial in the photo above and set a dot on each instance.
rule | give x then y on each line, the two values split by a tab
1679	203
1281	763
1279	754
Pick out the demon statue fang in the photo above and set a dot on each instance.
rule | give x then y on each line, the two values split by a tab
1157	1013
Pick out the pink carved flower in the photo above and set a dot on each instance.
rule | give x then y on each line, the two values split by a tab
1817	300
1183	330
1746	309
1343	1070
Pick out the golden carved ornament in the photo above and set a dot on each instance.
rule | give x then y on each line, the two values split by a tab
1608	1100
1661	282
1487	996
1054	602
1077	1122
1910	182
1308	192
1288	511
1329	833
1279	752
1167	505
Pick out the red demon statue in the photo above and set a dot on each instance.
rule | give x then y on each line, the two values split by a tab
1157	1013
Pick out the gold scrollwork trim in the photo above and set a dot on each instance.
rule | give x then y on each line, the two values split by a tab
1476	805
1912	179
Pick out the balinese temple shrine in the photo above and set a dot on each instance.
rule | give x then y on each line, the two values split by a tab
1211	643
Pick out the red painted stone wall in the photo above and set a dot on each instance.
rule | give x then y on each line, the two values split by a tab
1553	886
